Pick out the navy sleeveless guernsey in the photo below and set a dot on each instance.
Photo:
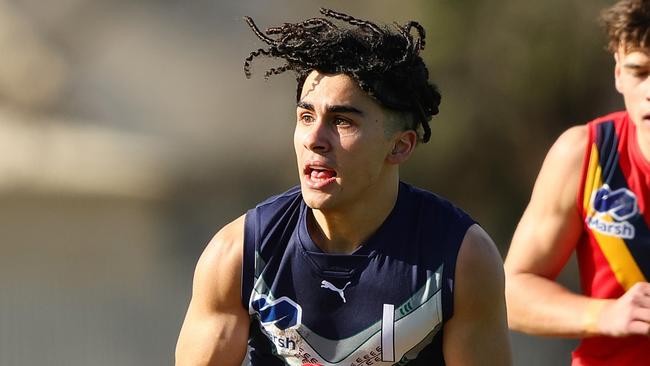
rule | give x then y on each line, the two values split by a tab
384	304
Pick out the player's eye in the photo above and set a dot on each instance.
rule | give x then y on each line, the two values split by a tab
306	118
342	122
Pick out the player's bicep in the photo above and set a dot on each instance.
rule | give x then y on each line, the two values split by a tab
215	329
477	333
550	226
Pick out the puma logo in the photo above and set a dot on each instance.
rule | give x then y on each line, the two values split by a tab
328	285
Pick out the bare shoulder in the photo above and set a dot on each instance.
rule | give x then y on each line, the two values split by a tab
479	262
573	137
215	329
225	247
222	260
477	333
568	151
556	187
225	240
551	225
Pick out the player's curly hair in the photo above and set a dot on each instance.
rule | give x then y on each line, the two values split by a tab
385	62
627	24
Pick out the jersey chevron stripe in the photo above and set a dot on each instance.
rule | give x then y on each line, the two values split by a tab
636	246
615	250
607	142
387	333
406	337
593	181
425	306
620	253
620	260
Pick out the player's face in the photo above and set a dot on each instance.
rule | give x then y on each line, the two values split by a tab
632	73
340	142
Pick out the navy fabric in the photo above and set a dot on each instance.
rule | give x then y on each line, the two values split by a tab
422	232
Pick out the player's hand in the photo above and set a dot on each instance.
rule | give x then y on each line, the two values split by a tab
627	315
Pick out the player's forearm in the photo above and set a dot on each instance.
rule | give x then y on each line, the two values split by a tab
539	306
212	339
209	352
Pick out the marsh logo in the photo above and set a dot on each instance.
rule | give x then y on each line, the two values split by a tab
619	205
283	312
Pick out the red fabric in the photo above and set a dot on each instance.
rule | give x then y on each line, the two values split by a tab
636	170
606	351
596	276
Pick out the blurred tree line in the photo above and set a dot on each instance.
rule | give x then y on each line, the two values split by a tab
513	75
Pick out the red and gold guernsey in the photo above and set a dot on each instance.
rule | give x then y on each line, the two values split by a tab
614	251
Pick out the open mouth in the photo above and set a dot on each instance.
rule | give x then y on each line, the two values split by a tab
318	176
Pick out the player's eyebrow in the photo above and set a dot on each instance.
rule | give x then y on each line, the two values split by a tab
331	108
633	65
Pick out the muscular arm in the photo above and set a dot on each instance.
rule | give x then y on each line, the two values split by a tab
477	333
543	241
215	330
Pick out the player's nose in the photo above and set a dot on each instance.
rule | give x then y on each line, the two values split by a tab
316	137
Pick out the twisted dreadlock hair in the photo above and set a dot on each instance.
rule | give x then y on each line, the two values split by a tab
385	62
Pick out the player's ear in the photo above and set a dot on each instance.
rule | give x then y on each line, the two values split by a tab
403	145
617	69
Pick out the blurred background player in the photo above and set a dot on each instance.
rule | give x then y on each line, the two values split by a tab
591	197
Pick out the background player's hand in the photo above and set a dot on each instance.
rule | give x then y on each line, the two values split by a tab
627	315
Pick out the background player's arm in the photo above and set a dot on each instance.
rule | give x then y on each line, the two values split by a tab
215	330
543	241
477	333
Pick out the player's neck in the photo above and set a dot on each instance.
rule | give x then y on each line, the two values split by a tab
345	229
643	140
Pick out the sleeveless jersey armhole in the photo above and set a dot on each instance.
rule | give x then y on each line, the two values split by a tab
459	228
248	257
